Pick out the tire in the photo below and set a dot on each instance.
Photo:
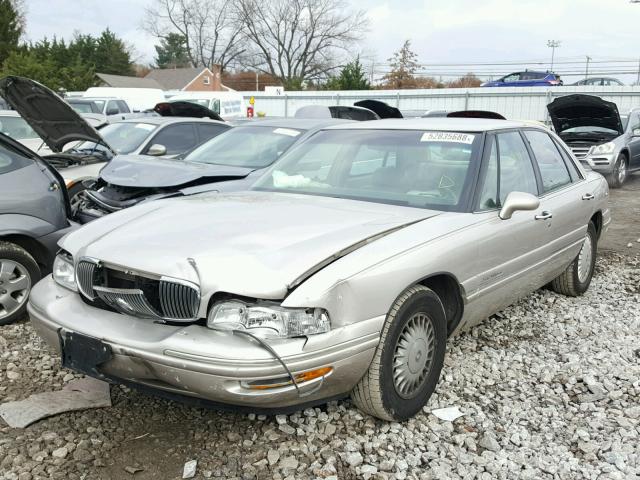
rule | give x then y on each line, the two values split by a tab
18	271
575	280
378	393
73	193
620	172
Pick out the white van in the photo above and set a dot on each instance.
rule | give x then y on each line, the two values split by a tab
138	99
226	104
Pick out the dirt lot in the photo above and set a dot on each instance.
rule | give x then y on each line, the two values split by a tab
550	388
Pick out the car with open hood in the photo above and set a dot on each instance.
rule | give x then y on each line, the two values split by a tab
34	212
80	150
232	160
598	135
342	270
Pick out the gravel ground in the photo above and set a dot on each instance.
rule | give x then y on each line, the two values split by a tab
550	388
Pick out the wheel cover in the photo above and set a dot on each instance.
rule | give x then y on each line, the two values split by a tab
622	170
584	259
15	285
413	355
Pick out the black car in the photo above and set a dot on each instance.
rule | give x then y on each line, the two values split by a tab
34	212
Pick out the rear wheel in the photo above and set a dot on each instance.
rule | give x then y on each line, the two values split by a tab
619	174
575	280
407	363
18	273
74	195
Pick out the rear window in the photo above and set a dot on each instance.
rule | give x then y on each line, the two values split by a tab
16	128
10	160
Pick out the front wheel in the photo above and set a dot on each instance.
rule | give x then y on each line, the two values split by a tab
18	273
408	360
575	280
619	174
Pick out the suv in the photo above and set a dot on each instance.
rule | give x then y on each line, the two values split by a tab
597	135
526	79
104	106
34	208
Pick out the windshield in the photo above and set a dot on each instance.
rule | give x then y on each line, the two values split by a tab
590	130
404	167
249	147
16	128
84	107
122	137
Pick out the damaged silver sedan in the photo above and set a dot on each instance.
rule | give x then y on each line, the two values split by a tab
341	272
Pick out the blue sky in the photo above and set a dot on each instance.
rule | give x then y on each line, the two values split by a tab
451	31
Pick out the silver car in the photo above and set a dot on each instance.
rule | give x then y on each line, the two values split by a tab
342	271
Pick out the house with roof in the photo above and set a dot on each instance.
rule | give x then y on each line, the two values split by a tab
195	79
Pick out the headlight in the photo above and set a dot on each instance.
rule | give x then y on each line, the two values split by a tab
268	320
603	149
63	272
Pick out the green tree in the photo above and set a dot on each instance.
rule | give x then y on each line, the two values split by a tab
403	68
111	55
352	77
11	28
172	52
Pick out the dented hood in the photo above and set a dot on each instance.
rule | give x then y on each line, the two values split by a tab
580	110
151	172
50	116
254	244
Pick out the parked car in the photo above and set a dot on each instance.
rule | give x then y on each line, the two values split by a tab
346	112
526	79
599	82
342	271
597	135
137	99
110	107
14	126
228	105
34	211
236	157
80	151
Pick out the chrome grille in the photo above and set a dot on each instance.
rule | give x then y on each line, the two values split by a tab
131	293
178	301
580	152
84	275
130	301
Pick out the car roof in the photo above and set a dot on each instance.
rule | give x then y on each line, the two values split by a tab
158	120
434	123
296	123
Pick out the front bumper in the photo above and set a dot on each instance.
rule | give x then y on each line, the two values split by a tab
194	361
600	163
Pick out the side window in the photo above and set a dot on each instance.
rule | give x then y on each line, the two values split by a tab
124	108
207	132
553	170
514	77
516	169
112	107
568	161
176	138
10	161
634	122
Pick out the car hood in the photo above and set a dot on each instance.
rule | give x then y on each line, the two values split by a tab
50	116
152	172
579	110
254	244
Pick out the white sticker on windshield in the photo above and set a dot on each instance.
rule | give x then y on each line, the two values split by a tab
145	126
451	137
287	131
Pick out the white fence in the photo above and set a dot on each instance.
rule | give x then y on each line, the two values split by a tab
513	102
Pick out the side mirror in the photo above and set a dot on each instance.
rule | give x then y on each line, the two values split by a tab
518	201
157	150
636	132
112	111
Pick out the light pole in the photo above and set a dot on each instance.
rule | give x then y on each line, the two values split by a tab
553	44
586	73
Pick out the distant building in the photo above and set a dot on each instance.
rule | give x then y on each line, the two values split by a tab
122	81
188	79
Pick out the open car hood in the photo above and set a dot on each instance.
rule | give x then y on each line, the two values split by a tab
381	109
185	109
50	116
150	172
584	111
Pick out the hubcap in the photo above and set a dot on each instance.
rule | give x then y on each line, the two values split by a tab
14	286
413	355
584	259
622	171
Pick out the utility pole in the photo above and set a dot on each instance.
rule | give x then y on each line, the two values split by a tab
586	72
257	83
373	64
553	44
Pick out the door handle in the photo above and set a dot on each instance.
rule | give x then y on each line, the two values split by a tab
53	186
588	196
544	216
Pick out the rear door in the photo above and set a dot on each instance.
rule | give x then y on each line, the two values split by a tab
564	200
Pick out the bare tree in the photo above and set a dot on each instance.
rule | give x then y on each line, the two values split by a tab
211	28
299	40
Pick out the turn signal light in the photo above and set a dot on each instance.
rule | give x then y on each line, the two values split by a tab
286	381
